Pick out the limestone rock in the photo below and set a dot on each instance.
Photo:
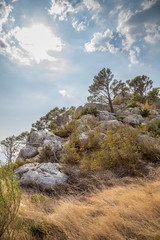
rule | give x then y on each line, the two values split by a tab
40	139
105	115
134	119
28	152
105	125
42	175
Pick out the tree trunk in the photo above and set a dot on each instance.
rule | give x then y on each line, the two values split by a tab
111	105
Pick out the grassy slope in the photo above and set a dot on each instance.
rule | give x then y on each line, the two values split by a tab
129	212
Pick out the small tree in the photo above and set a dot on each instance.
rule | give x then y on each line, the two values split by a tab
102	89
140	86
9	147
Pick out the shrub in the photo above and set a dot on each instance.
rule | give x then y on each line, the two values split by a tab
36	198
144	112
120	150
10	196
87	110
45	153
153	127
133	105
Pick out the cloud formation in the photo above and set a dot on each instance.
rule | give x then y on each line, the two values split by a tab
133	29
65	10
32	44
101	42
4	12
64	93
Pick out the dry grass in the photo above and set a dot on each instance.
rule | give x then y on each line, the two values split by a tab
129	212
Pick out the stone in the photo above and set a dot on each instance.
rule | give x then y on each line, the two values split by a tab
79	109
37	138
44	176
105	115
131	111
134	119
41	139
106	124
28	152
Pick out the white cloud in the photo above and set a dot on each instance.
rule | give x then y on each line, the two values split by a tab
33	44
63	10
115	10
139	26
78	26
4	12
152	33
91	4
60	9
64	93
101	42
146	4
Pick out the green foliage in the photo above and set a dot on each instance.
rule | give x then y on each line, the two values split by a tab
153	127
153	95
38	231
121	89
87	110
10	196
38	198
133	105
54	119
71	150
144	112
120	149
140	85
66	130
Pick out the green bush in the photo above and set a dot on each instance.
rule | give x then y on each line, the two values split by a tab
133	105
144	112
120	149
10	197
38	198
87	110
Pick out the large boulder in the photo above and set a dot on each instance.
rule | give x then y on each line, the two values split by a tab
44	176
37	138
131	111
28	152
134	119
41	139
106	124
105	115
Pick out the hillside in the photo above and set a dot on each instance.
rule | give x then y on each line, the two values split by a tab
90	172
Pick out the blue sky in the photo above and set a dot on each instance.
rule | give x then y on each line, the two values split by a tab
50	51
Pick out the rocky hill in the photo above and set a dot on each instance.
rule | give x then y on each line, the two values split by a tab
92	139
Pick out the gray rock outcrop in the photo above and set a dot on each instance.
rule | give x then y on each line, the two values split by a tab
133	119
105	115
28	152
106	124
40	139
41	175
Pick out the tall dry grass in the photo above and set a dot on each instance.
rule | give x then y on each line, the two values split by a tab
129	212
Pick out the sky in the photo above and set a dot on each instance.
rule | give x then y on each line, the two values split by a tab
50	51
